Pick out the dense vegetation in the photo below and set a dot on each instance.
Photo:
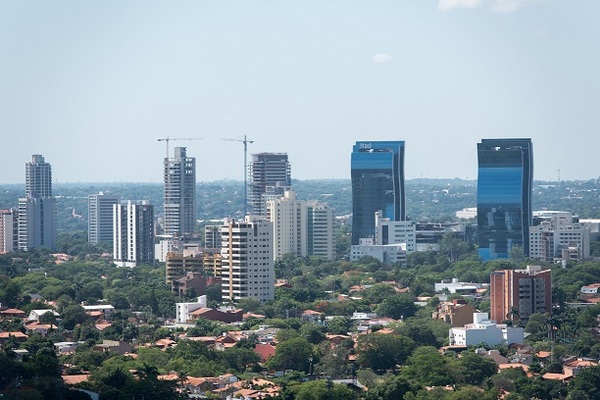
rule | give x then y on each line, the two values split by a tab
401	364
427	199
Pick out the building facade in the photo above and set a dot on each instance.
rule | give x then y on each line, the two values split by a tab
558	236
100	217
133	241
266	170
394	232
180	194
377	172
247	268
9	229
37	210
505	179
321	223
483	330
300	227
516	294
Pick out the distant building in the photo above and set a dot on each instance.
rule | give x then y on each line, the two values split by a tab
300	227
180	264
395	232
9	230
377	172
247	268
183	310
179	194
212	236
505	179
457	312
133	241
37	210
321	222
266	169
386	253
558	236
100	217
516	294
454	286
482	330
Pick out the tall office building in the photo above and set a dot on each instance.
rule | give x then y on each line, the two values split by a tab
266	169
247	268
516	294
37	210
377	172
505	179
180	194
100	217
8	230
133	241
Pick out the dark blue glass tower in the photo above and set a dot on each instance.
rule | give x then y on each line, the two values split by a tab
377	171
505	178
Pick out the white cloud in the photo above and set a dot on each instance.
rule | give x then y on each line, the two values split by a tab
381	58
446	5
508	6
498	6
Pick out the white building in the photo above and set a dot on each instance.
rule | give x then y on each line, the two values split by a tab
454	286
247	268
37	210
100	217
179	194
9	229
386	253
133	241
395	232
558	236
321	221
301	227
287	215
482	330
183	310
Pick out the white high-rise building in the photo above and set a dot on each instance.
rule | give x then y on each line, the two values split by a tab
37	210
559	236
180	194
321	221
133	241
100	217
288	216
301	227
8	230
247	268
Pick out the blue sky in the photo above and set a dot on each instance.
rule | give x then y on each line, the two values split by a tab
91	85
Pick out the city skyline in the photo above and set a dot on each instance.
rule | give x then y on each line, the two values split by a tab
308	79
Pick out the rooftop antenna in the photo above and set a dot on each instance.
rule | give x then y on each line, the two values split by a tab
245	140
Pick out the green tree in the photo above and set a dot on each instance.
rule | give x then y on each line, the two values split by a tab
397	306
427	367
379	351
322	390
292	354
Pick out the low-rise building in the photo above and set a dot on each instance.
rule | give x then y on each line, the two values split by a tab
482	330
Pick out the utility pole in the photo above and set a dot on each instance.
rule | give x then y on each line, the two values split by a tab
245	140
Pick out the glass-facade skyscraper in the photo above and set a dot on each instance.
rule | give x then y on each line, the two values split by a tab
377	171
504	182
